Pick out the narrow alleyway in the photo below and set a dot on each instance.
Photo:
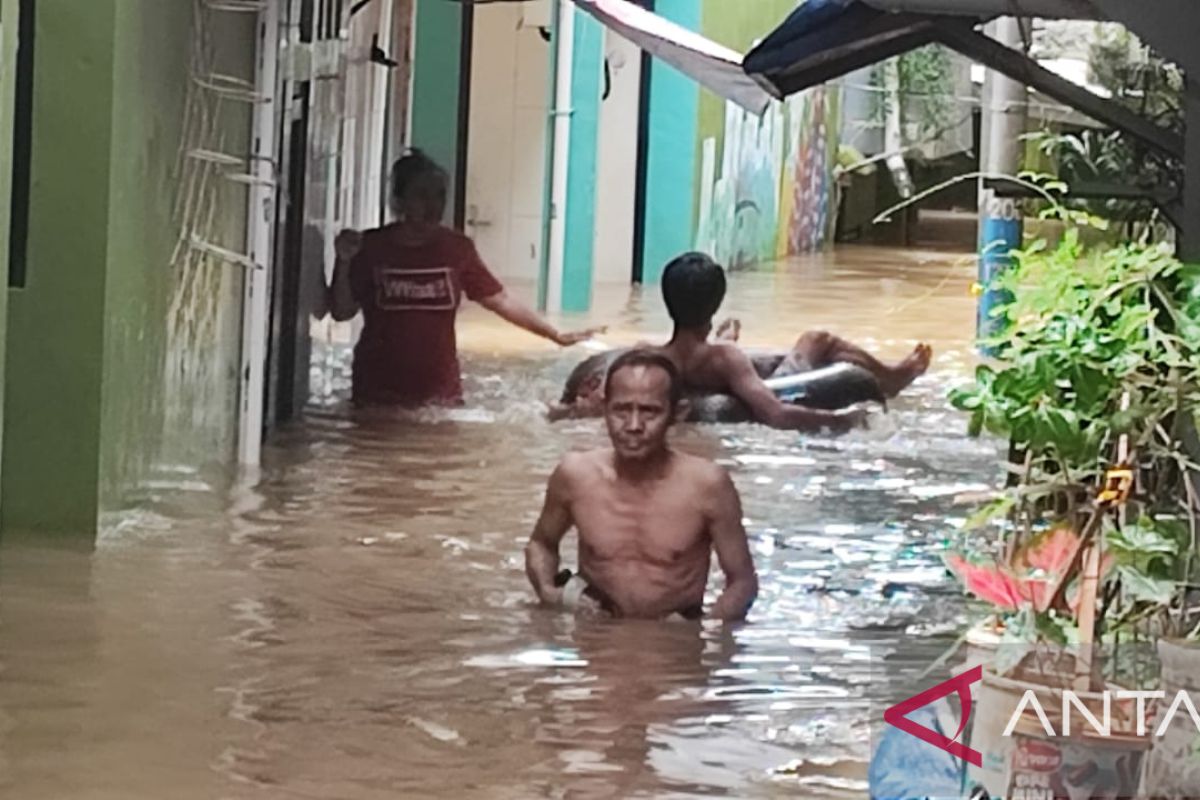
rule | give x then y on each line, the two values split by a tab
336	632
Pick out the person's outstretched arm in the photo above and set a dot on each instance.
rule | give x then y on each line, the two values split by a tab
541	554
514	311
744	382
733	551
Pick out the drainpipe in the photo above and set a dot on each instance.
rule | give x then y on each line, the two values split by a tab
893	132
558	149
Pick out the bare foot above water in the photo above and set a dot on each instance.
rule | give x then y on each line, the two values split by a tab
905	372
730	330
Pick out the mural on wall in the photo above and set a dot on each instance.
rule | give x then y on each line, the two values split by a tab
774	194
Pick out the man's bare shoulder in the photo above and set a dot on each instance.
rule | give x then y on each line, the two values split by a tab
583	464
701	472
717	366
729	354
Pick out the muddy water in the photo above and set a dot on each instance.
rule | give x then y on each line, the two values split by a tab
355	622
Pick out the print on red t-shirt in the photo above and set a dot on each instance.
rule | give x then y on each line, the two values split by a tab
415	290
409	290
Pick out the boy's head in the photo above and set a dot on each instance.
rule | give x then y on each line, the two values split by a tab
693	287
419	188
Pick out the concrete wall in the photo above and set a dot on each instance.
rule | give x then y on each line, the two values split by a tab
173	340
745	189
90	334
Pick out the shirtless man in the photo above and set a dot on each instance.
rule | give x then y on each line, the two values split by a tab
693	288
649	518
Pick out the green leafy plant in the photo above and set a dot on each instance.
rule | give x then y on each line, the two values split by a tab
1098	376
927	101
1153	89
927	80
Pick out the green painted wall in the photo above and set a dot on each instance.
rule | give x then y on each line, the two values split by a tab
56	324
737	26
671	158
9	10
437	54
107	307
587	69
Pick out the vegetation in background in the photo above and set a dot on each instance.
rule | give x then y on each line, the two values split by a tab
1149	86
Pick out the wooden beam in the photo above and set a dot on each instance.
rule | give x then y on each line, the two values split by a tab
1021	68
790	81
1166	202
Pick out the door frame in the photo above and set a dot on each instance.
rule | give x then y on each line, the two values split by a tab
260	235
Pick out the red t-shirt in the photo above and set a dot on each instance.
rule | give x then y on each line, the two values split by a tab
409	289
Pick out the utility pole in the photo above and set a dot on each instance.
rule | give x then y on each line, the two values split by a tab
1005	106
1190	246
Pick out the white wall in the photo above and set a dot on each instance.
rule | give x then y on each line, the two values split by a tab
506	141
616	166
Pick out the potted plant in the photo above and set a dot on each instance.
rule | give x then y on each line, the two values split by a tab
1096	386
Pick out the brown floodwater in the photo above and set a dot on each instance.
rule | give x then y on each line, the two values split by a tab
354	622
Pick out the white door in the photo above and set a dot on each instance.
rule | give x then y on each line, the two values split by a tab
506	139
616	161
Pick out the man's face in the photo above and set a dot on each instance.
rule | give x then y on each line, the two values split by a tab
638	411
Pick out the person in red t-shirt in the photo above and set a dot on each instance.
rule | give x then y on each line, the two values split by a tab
408	279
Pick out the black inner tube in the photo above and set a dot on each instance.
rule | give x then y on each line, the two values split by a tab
830	388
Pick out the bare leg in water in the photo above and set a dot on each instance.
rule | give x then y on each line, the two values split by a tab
817	349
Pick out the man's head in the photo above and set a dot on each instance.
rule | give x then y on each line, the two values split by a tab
642	394
693	287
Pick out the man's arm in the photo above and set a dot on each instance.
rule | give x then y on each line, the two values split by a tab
744	382
733	551
513	311
541	554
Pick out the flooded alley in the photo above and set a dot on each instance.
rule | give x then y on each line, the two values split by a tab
355	622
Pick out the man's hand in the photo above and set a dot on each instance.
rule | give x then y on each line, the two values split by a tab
723	513
590	609
577	602
347	244
575	337
850	419
541	554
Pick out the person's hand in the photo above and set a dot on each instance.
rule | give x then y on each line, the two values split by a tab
575	600
587	608
849	420
347	244
575	337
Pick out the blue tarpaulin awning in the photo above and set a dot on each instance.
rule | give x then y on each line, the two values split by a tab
825	39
